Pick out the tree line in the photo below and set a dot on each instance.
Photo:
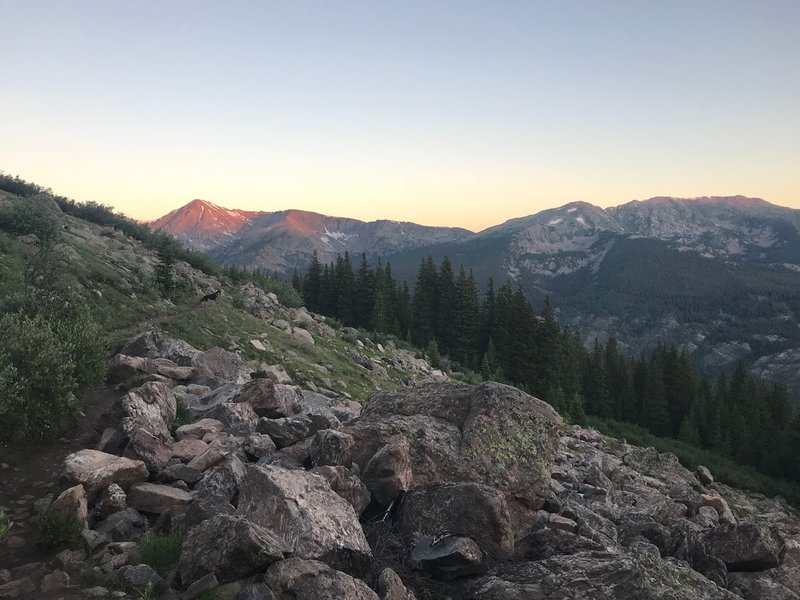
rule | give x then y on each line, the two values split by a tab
500	335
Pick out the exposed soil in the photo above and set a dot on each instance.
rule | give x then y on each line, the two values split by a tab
35	475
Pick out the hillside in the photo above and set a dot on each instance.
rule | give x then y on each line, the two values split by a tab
244	448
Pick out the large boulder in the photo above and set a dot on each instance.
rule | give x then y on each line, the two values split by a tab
754	545
467	509
300	508
156	498
313	580
151	450
490	434
270	399
347	485
151	407
71	504
450	557
221	365
230	547
96	470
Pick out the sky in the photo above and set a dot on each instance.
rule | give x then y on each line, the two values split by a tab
463	113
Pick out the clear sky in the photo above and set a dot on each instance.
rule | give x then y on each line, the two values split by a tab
441	112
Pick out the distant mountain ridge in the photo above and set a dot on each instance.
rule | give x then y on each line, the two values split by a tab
718	276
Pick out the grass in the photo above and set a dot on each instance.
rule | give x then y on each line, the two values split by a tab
5	524
160	551
182	415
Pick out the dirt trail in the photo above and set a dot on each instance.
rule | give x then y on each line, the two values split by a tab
35	475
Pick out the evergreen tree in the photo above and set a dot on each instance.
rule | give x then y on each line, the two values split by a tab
312	285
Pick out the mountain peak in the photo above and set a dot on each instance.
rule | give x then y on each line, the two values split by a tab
202	220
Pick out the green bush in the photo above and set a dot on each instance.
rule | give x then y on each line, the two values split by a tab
160	551
22	217
44	361
58	531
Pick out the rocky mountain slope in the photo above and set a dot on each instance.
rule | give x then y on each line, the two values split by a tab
203	225
433	490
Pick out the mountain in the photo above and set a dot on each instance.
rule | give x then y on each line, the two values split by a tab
717	276
203	225
285	240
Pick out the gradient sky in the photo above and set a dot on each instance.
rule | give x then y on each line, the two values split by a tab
440	112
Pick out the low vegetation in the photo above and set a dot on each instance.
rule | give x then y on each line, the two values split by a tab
160	551
58	531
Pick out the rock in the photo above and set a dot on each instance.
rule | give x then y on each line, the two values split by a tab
469	509
391	587
388	472
222	365
230	547
300	579
240	418
258	446
123	526
215	453
332	448
97	470
112	442
199	429
718	504
755	586
20	588
222	480
94	540
704	475
140	577
562	524
300	508
449	558
167	368
144	345
204	584
54	582
490	433
122	368
278	374
188	449
546	543
270	399
706	517
303	335
181	472
255	591
258	345
347	485
285	431
71	504
156	498
753	545
151	407
151	450
114	499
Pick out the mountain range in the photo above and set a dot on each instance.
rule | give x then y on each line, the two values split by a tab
719	276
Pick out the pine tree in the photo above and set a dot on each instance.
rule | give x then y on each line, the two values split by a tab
312	285
424	304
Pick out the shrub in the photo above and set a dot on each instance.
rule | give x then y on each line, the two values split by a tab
5	524
22	217
160	551
85	343
182	414
58	531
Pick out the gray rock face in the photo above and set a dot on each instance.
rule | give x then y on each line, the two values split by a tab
449	558
151	407
491	434
302	510
463	508
96	470
230	547
751	546
313	580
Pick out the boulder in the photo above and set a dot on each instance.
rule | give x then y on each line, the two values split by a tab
470	509
255	591
388	472
199	429
331	448
718	504
96	470
391	587
222	365
285	431
181	472
704	475
490	434
300	508
753	545
216	452
222	480
188	449
145	345
240	418
270	399
347	485
114	499
151	407
230	547
112	441
156	498
122	368
139	577
123	526
167	368
151	450
303	335
448	558
71	504
314	580
258	446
